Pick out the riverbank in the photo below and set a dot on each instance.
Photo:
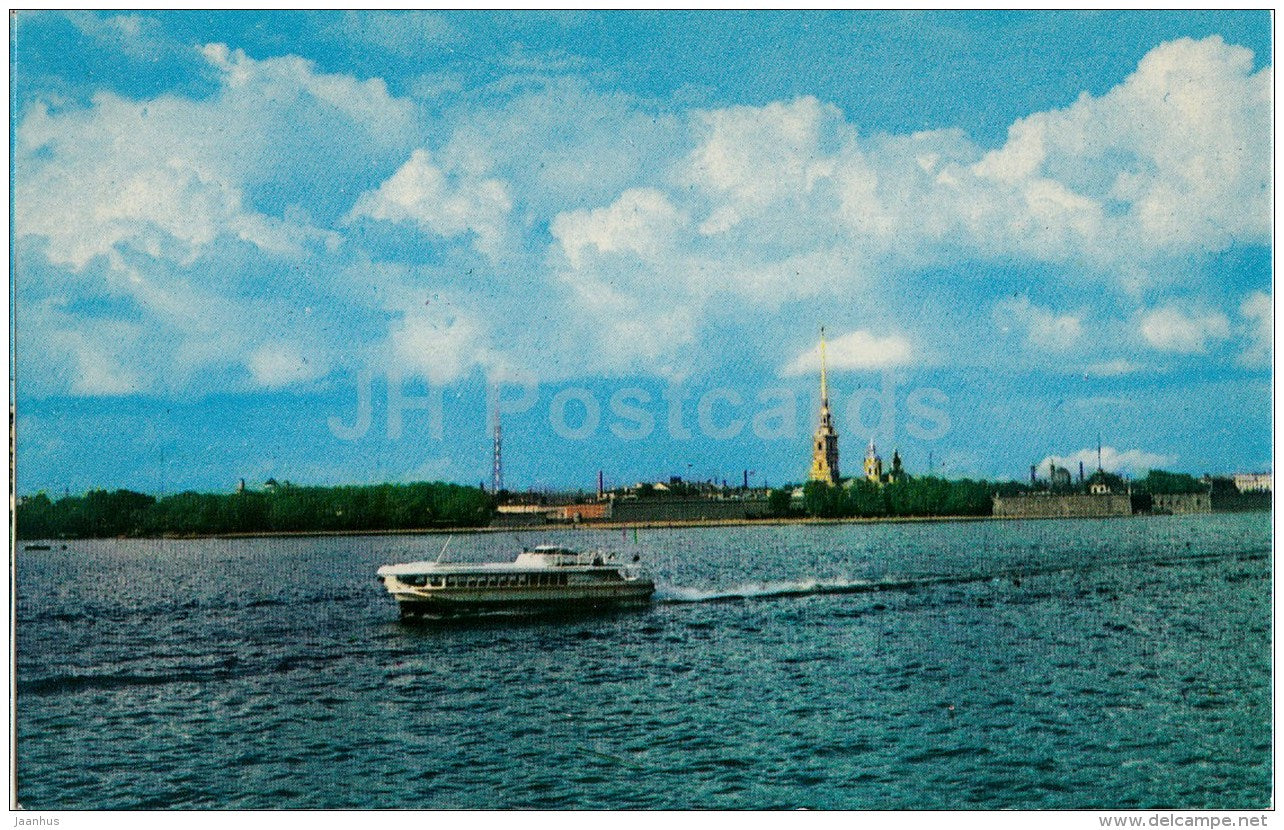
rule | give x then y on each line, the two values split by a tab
584	526
602	525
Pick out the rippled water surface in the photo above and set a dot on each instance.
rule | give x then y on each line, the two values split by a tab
1118	663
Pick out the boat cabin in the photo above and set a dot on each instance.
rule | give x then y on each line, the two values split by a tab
482	580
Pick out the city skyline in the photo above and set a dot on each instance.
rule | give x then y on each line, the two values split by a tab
230	229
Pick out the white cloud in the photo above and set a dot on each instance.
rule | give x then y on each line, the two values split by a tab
274	365
1173	160
366	104
563	144
630	231
1043	327
1113	368
1180	149
1258	311
152	204
423	193
109	184
853	351
1172	330
96	354
133	35
642	222
766	194
753	156
168	176
1134	462
443	346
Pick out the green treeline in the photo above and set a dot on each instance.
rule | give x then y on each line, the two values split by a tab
1159	482
100	513
928	496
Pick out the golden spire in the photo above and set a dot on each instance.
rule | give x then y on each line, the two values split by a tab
824	386
824	458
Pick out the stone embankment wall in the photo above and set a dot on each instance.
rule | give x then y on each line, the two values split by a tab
688	510
1183	503
1069	506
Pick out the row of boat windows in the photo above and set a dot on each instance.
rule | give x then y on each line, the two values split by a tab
482	581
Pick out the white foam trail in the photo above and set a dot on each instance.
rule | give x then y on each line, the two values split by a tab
676	593
804	587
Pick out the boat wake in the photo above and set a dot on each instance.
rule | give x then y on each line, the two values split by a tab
810	587
759	590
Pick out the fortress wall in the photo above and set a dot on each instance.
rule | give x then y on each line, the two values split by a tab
687	510
1184	503
1068	506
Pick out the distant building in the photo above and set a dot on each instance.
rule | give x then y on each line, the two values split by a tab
898	472
873	463
824	452
1253	482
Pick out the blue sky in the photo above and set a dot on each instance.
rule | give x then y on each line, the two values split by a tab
234	230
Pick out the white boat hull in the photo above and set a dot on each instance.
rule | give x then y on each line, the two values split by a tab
545	578
464	600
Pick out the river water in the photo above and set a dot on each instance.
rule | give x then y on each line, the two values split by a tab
1041	664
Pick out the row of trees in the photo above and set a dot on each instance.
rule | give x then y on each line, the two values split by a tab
927	496
931	496
100	513
1160	482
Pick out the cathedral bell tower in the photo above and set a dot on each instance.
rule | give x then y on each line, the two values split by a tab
824	448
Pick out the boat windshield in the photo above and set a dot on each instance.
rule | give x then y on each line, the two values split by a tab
552	549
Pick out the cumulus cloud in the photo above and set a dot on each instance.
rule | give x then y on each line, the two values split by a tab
1172	330
853	351
421	192
1134	462
106	185
161	205
95	356
631	230
751	157
1118	191
169	176
1177	156
1174	160
642	222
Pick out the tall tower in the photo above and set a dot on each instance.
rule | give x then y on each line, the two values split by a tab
497	472
873	463
824	453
